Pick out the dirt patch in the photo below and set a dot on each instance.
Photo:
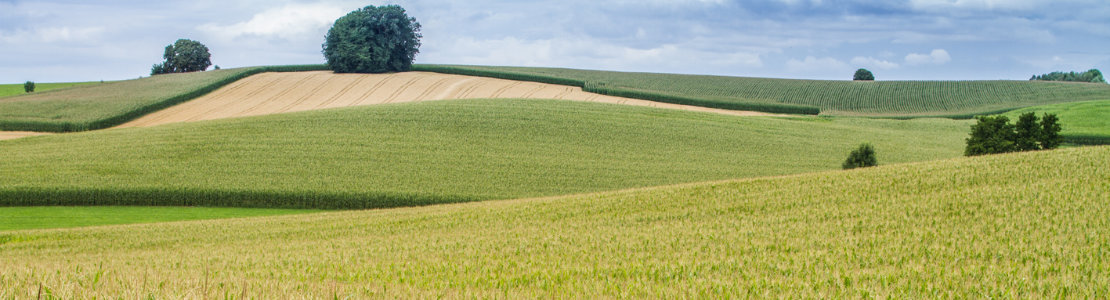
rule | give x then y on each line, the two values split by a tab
7	135
272	93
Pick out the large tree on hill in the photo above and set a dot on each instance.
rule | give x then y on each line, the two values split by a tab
373	40
863	75
183	56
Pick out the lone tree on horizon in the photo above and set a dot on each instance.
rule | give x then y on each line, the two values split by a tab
373	39
183	56
863	75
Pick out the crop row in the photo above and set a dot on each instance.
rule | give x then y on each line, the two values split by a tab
605	88
879	98
101	106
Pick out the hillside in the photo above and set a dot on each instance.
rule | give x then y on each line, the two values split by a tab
98	106
1026	225
272	93
880	98
1084	123
17	89
440	151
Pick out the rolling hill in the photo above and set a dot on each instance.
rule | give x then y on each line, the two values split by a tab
1024	225
958	99
440	151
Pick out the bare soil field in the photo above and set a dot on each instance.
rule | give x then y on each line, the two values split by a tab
272	93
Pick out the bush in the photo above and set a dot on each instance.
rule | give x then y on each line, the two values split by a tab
863	75
991	135
1027	132
29	87
1050	132
995	135
862	157
373	40
183	56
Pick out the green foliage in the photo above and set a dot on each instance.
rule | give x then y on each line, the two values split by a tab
436	152
862	157
183	56
1049	136
863	75
39	217
1092	75
29	87
1028	133
994	134
373	40
1023	226
99	106
954	99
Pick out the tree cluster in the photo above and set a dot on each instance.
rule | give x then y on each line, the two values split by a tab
373	40
864	156
183	56
863	75
996	135
1092	75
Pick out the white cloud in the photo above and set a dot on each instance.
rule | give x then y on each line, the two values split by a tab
290	22
978	4
872	62
811	63
938	56
51	35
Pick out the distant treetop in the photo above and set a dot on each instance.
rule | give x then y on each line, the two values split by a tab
1092	75
863	75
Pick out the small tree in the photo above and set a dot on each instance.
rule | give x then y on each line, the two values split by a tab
29	87
991	135
183	56
863	75
1050	132
373	40
864	156
1028	132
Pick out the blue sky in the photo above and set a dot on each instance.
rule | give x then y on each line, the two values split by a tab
69	40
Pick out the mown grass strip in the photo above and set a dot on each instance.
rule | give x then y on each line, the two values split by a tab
1021	226
40	87
99	106
42	217
440	151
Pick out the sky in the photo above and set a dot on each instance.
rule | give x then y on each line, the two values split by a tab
71	40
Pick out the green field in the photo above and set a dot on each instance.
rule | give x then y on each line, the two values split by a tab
17	89
961	99
98	106
1083	122
1023	225
37	217
440	151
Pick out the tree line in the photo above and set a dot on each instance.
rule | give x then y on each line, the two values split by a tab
1092	75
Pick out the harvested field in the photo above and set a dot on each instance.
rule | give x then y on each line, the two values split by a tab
272	93
7	135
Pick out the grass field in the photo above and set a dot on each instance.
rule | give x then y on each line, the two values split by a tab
1083	122
440	151
38	217
17	89
105	105
1024	225
962	99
